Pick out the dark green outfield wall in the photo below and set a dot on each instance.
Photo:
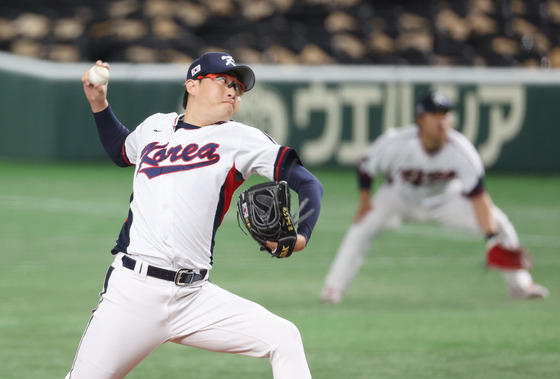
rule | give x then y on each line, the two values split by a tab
329	118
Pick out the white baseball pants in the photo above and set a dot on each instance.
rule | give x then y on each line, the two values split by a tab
138	313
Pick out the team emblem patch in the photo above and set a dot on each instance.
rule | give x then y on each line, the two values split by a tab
195	70
229	60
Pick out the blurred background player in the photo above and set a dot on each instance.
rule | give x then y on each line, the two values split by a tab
432	173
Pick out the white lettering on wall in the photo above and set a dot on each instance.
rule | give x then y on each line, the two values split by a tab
265	109
359	99
503	126
318	99
319	110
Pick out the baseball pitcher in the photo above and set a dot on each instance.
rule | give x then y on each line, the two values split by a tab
187	168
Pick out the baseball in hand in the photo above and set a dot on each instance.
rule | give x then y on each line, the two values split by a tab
98	75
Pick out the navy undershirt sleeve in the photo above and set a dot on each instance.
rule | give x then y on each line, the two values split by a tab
307	186
477	190
112	135
365	182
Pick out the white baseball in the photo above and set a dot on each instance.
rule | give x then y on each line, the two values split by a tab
98	75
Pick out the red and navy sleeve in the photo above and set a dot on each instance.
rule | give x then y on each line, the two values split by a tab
112	135
364	180
288	167
477	190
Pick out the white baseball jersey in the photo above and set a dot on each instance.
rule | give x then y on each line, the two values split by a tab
420	176
170	223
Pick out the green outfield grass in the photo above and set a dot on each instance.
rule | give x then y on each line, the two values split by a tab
421	307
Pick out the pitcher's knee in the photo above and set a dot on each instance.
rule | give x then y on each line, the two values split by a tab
287	338
287	355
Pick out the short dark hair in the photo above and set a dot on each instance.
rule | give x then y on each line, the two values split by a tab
185	99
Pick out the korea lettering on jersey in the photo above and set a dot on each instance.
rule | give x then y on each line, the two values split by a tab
183	184
419	175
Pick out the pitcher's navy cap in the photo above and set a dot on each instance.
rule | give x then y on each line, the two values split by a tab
434	102
218	63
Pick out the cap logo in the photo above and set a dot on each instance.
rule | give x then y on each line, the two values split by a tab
439	98
229	60
195	70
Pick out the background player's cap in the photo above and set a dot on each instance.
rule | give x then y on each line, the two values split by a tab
218	63
433	101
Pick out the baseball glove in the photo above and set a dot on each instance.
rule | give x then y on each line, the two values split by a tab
502	258
265	212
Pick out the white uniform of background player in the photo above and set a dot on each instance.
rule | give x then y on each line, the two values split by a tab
187	169
432	173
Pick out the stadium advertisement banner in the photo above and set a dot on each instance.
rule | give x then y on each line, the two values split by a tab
332	124
328	116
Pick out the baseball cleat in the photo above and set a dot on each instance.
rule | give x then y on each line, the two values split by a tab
534	291
331	295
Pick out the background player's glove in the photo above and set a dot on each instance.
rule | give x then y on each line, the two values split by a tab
504	258
265	212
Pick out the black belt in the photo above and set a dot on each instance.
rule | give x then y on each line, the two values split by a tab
182	277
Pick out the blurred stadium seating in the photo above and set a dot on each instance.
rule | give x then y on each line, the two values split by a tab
495	33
